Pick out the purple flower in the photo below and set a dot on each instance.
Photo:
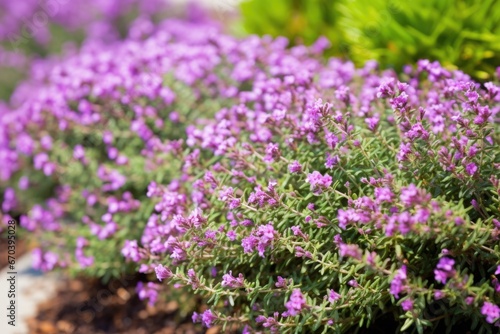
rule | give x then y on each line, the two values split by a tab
444	270
226	193
471	168
372	122
131	251
353	283
249	243
351	250
44	261
333	296
196	317
272	152
282	283
321	44
298	232
208	318
234	203
46	142
404	152
496	284
331	139
386	89
438	294
345	217
231	235
370	258
331	160
295	167
318	182
472	96
260	239
411	196
24	183
83	261
193	279
383	195
446	264
148	291
300	252
9	200
78	152
407	305
405	222
490	311
163	272
269	322
229	281
209	234
296	304
400	102
398	282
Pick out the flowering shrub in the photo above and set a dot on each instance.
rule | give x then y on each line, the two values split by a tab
306	196
323	215
80	151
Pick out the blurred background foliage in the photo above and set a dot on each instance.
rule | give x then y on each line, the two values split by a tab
461	34
28	41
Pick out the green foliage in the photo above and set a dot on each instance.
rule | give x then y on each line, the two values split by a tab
299	21
458	33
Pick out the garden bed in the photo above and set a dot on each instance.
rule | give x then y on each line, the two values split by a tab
76	309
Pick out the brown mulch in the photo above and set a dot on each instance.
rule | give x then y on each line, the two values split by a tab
87	306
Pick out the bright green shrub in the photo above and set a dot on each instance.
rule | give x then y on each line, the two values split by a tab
461	34
299	21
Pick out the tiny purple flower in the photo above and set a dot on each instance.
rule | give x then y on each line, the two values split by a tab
163	272
229	281
333	296
490	311
407	305
471	168
295	167
398	282
296	304
208	318
318	182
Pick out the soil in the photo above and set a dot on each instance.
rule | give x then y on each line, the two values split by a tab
75	309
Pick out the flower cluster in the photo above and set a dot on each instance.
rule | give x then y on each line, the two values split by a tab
330	190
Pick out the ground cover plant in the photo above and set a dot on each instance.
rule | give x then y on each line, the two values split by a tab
327	214
293	193
77	153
